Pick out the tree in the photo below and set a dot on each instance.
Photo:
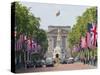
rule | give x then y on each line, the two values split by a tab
26	23
41	38
80	28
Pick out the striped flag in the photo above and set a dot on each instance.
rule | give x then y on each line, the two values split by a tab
83	42
18	45
94	34
28	45
88	40
31	45
21	37
34	45
89	27
89	35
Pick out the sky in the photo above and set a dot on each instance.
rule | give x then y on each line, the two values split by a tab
47	13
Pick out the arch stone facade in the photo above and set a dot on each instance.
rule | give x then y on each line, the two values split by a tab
52	35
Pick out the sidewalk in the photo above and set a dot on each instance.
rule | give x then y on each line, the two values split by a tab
91	66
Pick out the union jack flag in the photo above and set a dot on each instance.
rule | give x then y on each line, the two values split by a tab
91	35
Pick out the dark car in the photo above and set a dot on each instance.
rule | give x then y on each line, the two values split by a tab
43	62
30	64
64	61
38	63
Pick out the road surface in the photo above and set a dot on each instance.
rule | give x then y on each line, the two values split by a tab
60	67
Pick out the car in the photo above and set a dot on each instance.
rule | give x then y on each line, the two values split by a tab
76	59
64	61
49	62
43	62
70	60
30	64
38	63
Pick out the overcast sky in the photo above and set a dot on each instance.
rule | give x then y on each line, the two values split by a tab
47	13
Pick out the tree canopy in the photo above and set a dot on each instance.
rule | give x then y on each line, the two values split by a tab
80	28
26	23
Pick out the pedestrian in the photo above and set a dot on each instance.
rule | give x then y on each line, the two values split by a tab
94	60
84	60
87	59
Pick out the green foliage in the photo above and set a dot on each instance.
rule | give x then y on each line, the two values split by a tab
41	38
25	21
28	24
80	28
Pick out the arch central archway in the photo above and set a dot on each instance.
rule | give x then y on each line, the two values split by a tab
57	56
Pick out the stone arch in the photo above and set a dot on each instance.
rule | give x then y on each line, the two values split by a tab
57	55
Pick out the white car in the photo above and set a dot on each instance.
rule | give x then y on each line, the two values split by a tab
49	62
76	59
70	60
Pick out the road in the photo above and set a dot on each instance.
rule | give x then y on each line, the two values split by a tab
60	67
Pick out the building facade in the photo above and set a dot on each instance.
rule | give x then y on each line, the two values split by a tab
52	35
